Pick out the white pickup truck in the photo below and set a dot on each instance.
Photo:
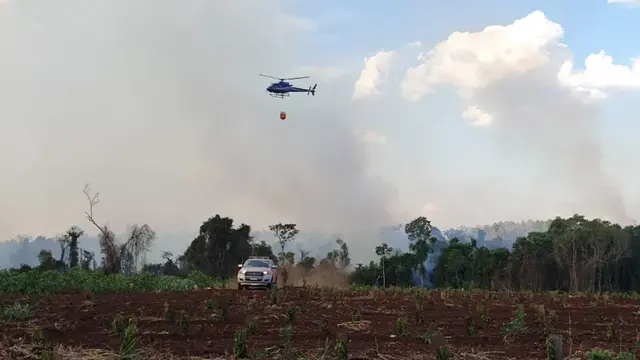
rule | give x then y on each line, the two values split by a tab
257	272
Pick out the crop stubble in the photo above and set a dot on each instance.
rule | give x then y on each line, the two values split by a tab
368	320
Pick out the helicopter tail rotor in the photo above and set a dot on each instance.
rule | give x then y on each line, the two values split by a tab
312	90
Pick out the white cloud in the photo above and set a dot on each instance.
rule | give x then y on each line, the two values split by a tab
370	77
630	2
517	78
477	116
600	74
373	138
415	44
471	61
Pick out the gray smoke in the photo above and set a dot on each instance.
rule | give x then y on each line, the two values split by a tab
158	105
555	132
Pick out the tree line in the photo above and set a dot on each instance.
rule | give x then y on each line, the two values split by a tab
216	251
573	254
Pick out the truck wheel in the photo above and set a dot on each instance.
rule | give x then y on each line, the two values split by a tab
240	287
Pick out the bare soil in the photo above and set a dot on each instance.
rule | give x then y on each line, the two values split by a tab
370	322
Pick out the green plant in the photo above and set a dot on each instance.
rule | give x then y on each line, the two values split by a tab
426	337
472	330
184	322
516	326
340	349
276	296
483	311
287	333
251	328
211	304
240	344
401	326
624	355
550	349
16	312
357	315
118	324
129	343
612	332
47	283
599	354
168	313
443	353
291	314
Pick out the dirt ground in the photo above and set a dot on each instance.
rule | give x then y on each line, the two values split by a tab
373	324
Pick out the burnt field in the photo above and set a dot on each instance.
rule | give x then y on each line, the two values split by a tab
295	322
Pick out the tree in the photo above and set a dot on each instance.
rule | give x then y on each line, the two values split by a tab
330	259
220	247
47	261
88	259
169	268
343	254
284	233
73	234
306	262
289	259
120	256
64	245
167	256
419	233
383	250
338	258
262	249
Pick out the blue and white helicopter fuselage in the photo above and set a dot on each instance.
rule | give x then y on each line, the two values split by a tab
283	89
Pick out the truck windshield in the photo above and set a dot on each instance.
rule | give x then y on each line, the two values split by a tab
257	263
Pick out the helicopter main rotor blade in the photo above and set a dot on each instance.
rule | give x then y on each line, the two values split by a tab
272	77
298	78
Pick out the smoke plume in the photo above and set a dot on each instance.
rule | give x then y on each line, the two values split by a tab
509	78
158	105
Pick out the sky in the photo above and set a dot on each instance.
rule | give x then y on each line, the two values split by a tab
503	111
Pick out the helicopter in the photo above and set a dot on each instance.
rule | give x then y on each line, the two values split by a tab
283	89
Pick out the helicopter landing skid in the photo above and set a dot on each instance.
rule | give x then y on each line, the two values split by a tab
281	96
